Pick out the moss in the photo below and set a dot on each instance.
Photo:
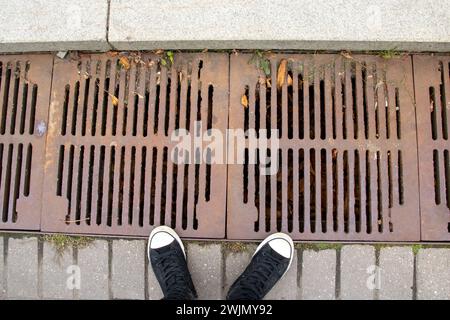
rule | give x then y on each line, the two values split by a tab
62	242
319	246
415	248
233	246
389	54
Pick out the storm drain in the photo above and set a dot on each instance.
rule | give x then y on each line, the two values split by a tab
24	99
347	159
432	81
87	145
109	146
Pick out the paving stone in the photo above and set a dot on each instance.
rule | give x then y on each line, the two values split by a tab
357	272
318	275
2	270
40	25
93	262
22	267
396	273
433	274
286	288
128	279
325	24
56	283
205	265
235	264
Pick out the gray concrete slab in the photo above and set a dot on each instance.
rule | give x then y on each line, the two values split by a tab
286	288
433	274
205	264
358	272
2	269
93	262
40	25
22	266
235	264
318	275
396	273
281	24
59	277
128	278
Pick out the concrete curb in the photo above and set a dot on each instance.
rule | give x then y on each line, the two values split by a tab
405	25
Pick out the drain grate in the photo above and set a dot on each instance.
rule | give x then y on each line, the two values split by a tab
432	89
109	168
24	100
347	156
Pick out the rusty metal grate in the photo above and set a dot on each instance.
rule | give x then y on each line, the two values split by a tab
24	99
348	167
347	156
432	89
108	168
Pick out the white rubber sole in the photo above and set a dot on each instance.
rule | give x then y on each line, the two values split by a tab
168	230
278	235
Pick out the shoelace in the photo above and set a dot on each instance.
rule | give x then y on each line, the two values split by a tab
174	276
252	286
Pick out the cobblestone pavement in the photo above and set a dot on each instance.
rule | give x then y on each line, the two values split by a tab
34	268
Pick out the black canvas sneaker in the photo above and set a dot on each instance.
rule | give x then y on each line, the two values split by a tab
168	259
270	262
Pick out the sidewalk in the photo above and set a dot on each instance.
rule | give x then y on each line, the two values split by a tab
39	25
118	269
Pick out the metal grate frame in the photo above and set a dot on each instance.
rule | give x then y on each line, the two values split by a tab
348	165
25	82
108	167
432	89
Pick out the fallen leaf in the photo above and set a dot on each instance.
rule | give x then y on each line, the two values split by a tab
124	62
269	83
261	80
115	100
159	51
281	75
346	54
170	56
244	101
290	81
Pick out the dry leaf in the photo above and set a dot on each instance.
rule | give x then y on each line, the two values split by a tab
346	54
180	76
159	51
290	81
261	80
269	83
115	100
281	75
244	101
112	53
124	62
